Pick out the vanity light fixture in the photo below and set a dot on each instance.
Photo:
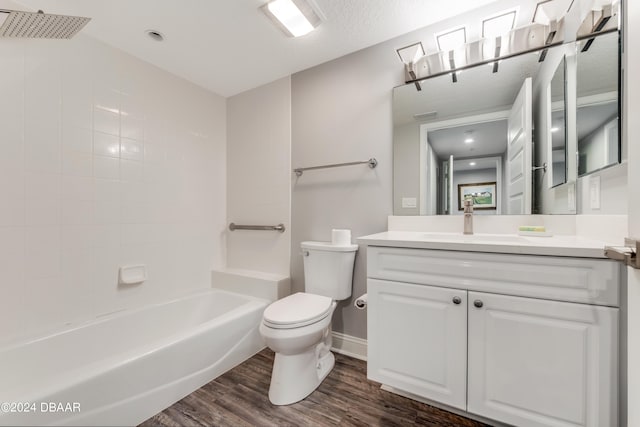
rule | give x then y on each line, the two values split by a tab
294	17
549	11
605	16
411	53
452	65
451	39
408	55
499	25
496	54
543	55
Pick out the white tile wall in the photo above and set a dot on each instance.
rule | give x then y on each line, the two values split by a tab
105	160
259	177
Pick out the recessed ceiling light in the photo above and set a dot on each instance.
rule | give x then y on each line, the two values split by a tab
155	35
555	129
294	17
468	137
499	25
451	39
472	163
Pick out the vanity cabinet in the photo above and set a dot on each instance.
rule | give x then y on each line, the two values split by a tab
430	357
524	340
542	363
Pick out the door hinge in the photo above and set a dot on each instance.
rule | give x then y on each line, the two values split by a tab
627	253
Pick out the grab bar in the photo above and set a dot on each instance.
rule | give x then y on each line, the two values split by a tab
279	227
372	162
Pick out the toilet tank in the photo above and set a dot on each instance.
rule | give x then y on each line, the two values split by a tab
328	269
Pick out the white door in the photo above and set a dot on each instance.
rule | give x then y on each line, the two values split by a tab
519	131
416	339
542	363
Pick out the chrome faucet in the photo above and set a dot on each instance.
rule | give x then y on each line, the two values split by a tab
468	216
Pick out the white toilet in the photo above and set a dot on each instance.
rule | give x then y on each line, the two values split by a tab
298	328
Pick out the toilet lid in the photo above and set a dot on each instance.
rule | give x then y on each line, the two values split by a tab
297	310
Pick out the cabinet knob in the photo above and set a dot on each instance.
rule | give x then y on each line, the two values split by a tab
478	303
457	300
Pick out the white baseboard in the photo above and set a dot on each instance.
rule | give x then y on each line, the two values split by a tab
349	346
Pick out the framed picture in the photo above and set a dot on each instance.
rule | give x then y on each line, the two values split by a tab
483	195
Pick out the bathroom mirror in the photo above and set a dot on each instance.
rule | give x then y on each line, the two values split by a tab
452	133
457	132
597	113
557	125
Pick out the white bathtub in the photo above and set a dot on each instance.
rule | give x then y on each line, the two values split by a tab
123	368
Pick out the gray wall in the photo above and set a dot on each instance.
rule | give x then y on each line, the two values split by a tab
341	112
406	162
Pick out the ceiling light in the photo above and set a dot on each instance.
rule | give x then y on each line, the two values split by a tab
551	10
499	25
543	55
295	17
472	163
452	39
555	129
468	137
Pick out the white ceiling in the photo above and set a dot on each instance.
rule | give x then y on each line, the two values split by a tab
490	139
229	46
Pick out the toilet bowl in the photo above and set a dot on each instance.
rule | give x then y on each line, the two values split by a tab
302	347
298	328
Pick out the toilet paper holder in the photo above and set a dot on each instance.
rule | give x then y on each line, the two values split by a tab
361	302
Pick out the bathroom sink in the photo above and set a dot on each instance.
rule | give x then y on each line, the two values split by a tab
474	238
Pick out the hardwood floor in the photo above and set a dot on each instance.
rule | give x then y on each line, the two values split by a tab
345	398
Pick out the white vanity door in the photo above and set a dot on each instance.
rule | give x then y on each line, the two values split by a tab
417	339
542	363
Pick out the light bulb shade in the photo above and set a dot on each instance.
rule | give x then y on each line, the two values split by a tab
294	17
551	10
452	39
499	25
411	53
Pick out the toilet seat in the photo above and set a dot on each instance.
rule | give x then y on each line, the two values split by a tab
297	310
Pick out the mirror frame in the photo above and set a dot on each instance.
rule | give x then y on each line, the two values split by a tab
565	128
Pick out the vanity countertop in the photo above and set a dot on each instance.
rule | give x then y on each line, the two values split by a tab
570	246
